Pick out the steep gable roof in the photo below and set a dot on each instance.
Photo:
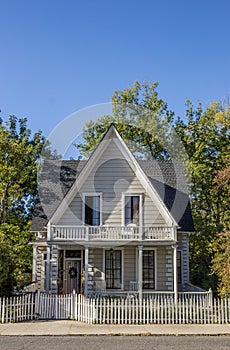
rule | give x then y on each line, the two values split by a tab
112	135
165	179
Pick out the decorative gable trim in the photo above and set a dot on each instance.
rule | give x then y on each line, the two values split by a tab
96	155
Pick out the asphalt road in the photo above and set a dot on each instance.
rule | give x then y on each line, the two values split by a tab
114	342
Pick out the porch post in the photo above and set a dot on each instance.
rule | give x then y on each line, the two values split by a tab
48	231
140	250
47	269
34	263
86	270
175	289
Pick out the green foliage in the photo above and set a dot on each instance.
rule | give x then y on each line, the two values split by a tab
15	257
221	243
19	154
141	118
205	136
18	170
6	279
221	262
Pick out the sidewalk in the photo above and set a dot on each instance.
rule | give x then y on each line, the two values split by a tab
67	327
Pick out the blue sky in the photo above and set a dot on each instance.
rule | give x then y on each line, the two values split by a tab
57	57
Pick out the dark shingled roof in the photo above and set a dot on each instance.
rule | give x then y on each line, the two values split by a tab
167	177
55	181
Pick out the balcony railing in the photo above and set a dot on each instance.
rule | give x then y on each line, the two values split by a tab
113	233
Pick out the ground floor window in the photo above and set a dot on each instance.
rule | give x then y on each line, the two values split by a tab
179	266
148	269
113	269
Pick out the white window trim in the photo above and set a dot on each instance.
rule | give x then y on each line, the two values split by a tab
90	194
140	195
122	266
155	265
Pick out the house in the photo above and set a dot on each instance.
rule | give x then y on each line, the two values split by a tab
112	224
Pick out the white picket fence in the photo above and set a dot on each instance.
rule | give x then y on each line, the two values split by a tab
17	308
162	311
159	309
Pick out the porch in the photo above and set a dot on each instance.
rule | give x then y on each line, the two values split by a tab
113	269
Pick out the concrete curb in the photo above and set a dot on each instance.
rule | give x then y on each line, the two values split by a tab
73	328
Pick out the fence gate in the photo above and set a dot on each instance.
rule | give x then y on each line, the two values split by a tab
65	307
53	307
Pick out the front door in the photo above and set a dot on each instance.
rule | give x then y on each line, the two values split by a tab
72	276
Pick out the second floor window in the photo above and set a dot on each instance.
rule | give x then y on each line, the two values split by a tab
132	210
92	210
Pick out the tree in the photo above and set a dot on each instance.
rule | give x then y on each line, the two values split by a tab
15	257
6	280
19	154
221	244
206	139
142	119
221	262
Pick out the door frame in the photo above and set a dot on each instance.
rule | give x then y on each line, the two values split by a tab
66	260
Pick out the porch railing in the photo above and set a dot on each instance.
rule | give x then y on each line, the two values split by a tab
123	233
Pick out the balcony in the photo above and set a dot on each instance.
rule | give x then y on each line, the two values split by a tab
112	233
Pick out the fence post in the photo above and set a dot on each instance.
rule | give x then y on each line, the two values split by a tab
95	311
210	306
72	315
36	305
3	309
210	299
